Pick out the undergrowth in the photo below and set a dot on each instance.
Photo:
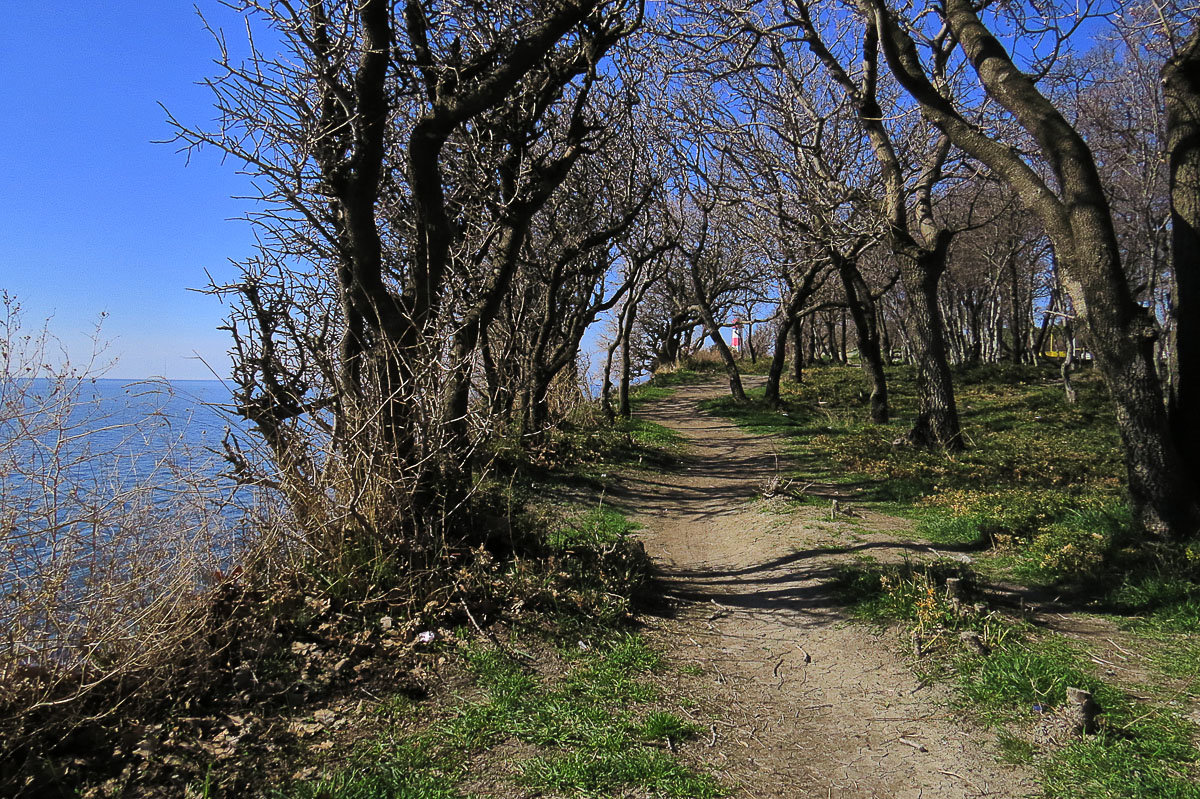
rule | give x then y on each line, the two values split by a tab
1036	498
1040	485
261	698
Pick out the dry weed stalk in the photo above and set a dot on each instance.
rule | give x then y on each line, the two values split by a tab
112	532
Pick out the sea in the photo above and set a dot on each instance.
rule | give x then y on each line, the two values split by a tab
98	424
185	415
106	466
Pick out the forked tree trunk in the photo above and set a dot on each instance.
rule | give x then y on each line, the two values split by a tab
937	423
862	309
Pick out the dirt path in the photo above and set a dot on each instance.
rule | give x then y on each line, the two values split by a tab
810	705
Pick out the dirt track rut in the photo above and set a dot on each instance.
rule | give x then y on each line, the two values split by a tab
808	704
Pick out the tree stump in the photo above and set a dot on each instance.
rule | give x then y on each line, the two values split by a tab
954	593
1083	711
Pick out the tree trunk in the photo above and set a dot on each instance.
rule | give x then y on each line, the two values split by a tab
862	309
937	422
1068	366
778	357
606	390
731	369
844	345
623	405
798	355
1181	88
1017	312
885	337
714	332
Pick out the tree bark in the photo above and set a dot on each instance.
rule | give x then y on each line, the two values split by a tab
1181	89
862	309
921	252
714	332
937	422
778	357
623	405
606	388
798	354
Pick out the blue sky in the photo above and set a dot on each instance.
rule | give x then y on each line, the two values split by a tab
97	217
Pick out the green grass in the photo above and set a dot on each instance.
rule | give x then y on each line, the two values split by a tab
1142	749
653	436
1163	612
1021	432
592	732
640	396
593	528
1040	485
588	717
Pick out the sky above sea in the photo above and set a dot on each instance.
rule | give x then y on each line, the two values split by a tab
103	223
98	218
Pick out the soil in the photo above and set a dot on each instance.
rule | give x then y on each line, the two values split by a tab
798	701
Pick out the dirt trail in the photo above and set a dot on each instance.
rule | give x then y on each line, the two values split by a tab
811	705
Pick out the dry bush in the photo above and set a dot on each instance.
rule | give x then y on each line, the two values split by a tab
137	579
114	535
567	393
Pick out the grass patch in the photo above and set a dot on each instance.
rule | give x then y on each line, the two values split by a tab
1040	485
1142	749
592	731
593	528
581	716
654	436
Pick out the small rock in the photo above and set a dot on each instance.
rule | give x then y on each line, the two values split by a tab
973	641
243	678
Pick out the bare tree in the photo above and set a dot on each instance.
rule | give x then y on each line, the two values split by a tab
1075	214
403	152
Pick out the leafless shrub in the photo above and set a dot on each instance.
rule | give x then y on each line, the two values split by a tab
112	537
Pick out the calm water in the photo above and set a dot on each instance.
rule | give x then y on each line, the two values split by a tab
150	418
116	454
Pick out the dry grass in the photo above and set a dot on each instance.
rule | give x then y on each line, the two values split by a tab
108	560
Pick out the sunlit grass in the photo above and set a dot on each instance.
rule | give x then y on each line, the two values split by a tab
591	732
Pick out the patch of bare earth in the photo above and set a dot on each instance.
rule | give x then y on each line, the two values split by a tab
797	701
